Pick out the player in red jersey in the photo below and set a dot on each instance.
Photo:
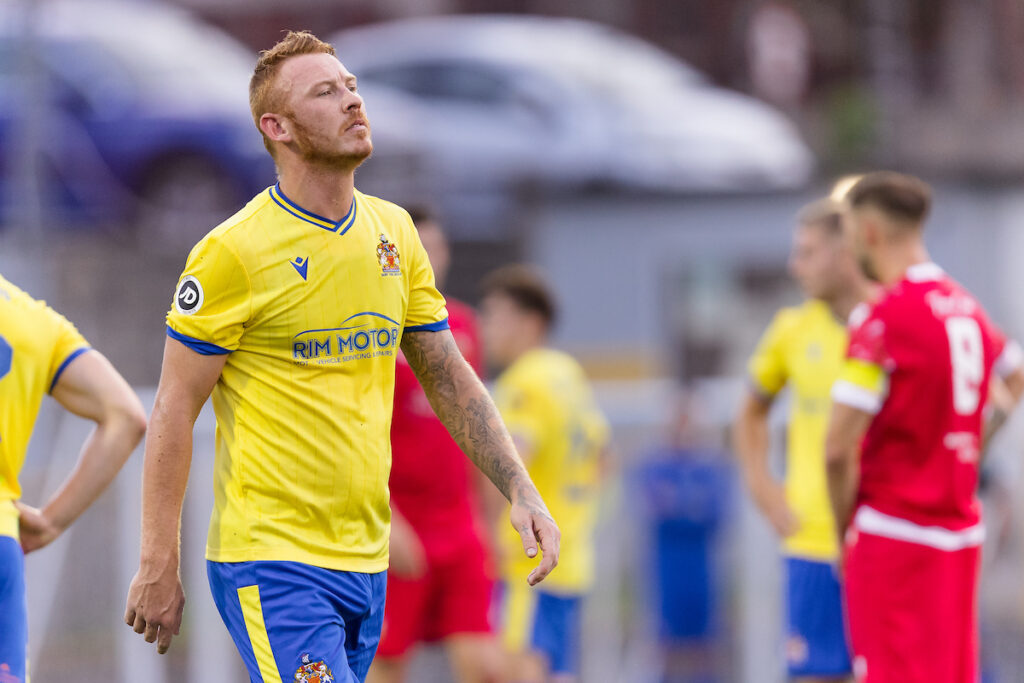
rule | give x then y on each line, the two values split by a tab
439	583
904	445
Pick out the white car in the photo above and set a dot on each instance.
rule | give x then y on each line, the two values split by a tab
510	99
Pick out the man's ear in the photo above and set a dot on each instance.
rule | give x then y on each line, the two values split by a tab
276	127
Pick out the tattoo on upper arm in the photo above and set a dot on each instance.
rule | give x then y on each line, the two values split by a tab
464	406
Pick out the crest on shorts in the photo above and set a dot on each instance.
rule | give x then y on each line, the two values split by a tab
387	256
313	672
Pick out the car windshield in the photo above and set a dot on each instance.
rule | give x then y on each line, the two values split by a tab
165	53
597	60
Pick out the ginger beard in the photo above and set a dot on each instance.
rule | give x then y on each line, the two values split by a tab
343	150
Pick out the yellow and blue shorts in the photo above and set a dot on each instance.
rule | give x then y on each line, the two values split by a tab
13	612
816	643
294	622
547	624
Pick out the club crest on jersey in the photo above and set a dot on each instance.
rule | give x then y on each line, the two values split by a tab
387	256
313	672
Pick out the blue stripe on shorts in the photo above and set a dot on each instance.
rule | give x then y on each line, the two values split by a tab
313	618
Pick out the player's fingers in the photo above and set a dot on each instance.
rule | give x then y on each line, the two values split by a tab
151	632
550	540
163	642
140	624
129	615
529	539
177	618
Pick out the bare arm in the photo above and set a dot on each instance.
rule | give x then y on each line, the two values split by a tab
155	598
751	440
89	387
842	460
1003	396
466	409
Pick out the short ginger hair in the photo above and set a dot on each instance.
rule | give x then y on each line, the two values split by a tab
262	95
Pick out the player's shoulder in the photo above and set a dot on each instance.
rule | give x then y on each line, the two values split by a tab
234	230
22	301
384	212
789	319
547	366
236	225
28	313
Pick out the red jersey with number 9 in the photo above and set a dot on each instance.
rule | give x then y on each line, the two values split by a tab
935	349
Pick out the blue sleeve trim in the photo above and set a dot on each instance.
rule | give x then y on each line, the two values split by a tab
430	327
197	345
64	366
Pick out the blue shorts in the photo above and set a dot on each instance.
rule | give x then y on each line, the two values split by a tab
292	622
816	642
13	611
544	623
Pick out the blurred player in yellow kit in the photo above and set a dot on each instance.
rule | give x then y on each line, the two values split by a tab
803	348
561	434
291	313
41	352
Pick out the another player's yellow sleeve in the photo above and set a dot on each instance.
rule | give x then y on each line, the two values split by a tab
426	310
862	385
522	415
68	344
213	299
767	367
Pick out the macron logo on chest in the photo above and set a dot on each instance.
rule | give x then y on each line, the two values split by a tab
301	265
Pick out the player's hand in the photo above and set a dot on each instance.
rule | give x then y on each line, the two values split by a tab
35	529
156	601
536	527
408	559
771	499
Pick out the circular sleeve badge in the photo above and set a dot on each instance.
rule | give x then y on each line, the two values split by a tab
189	297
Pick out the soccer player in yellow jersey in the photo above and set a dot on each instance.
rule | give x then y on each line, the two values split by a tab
803	348
561	434
291	313
41	352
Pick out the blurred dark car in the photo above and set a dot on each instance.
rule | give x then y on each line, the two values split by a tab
499	100
127	113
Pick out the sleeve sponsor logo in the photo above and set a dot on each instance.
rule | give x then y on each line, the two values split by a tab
189	297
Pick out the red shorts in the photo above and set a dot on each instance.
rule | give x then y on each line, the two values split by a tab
912	611
453	596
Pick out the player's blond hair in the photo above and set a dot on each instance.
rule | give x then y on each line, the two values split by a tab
263	96
826	214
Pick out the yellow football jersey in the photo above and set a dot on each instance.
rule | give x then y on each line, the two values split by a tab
311	314
804	349
547	404
36	345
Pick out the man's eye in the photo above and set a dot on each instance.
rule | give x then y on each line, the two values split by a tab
324	92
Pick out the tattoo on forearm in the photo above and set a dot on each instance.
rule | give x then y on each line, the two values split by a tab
466	409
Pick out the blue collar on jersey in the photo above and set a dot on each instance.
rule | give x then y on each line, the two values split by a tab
341	227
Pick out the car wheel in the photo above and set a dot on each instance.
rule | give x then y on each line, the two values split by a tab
183	199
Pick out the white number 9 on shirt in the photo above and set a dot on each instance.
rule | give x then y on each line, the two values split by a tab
968	358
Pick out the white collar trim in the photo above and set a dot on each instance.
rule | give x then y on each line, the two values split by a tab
924	272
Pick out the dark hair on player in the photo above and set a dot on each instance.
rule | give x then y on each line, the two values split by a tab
422	213
903	198
826	214
526	287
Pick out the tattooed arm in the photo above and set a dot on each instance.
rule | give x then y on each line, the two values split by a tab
466	409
